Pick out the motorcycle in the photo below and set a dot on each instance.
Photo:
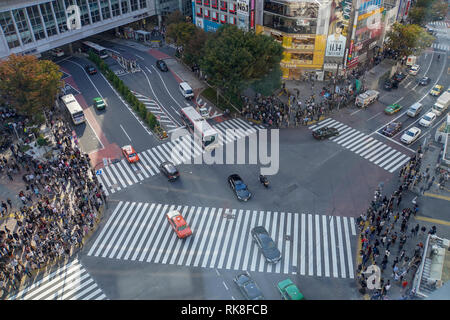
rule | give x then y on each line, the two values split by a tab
264	180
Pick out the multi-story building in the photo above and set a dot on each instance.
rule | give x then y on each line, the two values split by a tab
32	27
211	14
165	7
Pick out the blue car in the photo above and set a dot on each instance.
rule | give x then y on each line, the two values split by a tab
239	187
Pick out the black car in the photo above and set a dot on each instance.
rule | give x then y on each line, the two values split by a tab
266	244
392	128
168	168
161	65
325	132
390	84
90	69
239	187
424	81
248	287
399	76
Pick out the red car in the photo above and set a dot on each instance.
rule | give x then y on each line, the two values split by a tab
179	225
130	154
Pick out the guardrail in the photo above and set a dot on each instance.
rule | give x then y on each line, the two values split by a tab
418	277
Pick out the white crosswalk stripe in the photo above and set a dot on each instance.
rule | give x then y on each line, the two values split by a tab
141	231
122	174
365	146
69	282
440	46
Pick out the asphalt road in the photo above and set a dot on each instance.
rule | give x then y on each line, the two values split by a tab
320	185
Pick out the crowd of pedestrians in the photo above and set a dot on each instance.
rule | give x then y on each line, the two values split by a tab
59	206
385	230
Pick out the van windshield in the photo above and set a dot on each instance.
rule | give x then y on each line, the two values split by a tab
189	91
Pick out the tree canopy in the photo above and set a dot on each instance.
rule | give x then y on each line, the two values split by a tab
408	39
233	57
181	32
425	11
29	85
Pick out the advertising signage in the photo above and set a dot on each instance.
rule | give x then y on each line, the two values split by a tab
243	7
338	28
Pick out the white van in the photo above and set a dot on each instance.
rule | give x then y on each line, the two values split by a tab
366	98
414	110
186	90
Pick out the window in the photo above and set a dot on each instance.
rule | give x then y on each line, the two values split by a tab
95	12
215	16
49	21
233	8
106	13
124	6
223	5
115	8
214	4
232	20
9	30
84	13
207	13
206	3
36	22
223	18
199	12
134	5
198	1
60	13
143	3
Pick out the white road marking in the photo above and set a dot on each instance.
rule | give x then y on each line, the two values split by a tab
125	133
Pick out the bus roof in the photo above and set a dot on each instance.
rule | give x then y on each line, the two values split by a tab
94	45
71	103
200	123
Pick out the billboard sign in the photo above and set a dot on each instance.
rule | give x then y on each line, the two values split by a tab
338	28
243	7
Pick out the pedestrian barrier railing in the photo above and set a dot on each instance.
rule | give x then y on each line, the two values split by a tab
419	273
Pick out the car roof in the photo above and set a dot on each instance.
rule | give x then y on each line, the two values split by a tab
413	129
260	229
98	99
128	148
431	114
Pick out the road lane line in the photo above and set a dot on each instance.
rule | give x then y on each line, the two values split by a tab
341	247
160	231
325	246
333	247
400	164
288	243
310	246
396	142
124	230
318	251
374	116
349	250
142	225
302	246
186	245
110	231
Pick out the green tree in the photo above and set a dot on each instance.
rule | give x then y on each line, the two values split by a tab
234	56
174	18
439	9
194	48
180	33
417	15
29	85
408	39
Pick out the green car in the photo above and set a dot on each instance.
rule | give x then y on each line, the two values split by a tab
99	103
393	108
289	290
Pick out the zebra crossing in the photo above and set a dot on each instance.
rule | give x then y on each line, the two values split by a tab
439	46
70	282
442	24
365	146
310	244
122	174
161	115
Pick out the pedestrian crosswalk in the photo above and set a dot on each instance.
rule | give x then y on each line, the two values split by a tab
70	282
365	146
311	244
439	46
167	121
440	24
122	174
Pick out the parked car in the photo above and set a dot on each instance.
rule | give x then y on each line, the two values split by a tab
57	52
130	154
266	244
411	135
392	128
161	65
428	119
248	287
99	103
424	81
393	108
239	187
178	224
437	90
414	69
169	170
90	69
289	290
325	132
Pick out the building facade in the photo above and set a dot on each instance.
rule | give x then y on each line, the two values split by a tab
32	27
211	14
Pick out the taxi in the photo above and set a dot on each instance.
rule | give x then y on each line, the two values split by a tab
437	90
179	225
99	103
393	108
130	154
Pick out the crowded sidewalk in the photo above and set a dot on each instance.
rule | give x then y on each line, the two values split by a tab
58	203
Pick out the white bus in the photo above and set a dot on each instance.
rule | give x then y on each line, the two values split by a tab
74	108
200	127
98	50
